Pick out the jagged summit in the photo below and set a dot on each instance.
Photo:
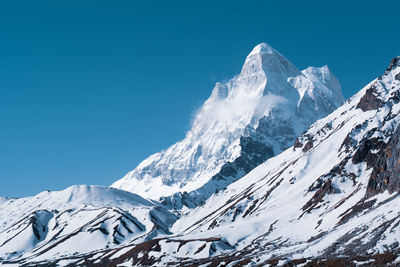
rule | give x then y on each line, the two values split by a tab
264	106
264	58
262	48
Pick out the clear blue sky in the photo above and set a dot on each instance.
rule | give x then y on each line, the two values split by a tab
88	89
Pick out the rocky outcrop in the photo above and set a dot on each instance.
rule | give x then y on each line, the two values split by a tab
325	189
395	62
297	144
369	101
365	152
386	167
308	146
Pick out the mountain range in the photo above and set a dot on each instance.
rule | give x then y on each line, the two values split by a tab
276	170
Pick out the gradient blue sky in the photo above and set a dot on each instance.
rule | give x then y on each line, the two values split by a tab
88	89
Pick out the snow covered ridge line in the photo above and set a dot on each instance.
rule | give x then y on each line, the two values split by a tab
253	117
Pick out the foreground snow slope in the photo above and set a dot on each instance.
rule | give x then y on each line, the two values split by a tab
335	193
79	219
247	120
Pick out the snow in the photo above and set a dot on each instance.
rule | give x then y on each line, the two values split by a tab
263	85
283	209
78	219
278	210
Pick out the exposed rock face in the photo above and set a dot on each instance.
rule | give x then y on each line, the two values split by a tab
386	168
325	189
380	155
395	62
369	101
297	144
308	146
365	151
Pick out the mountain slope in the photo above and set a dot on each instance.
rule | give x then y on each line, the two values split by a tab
247	120
79	219
332	198
336	192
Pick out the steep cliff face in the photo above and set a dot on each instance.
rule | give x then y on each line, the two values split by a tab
247	120
386	167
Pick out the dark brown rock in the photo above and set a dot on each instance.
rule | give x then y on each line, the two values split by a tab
326	188
386	168
364	152
297	143
308	146
346	143
369	101
393	64
355	210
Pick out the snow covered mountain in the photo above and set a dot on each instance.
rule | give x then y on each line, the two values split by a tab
78	219
247	120
332	199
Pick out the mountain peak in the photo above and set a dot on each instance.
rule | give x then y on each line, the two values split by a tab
259	108
265	59
327	81
262	48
